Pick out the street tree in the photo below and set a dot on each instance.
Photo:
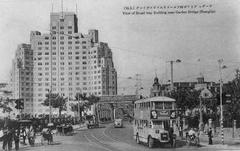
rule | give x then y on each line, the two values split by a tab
232	103
186	98
77	107
5	106
82	102
56	102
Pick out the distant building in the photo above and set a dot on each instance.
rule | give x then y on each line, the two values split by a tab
156	88
22	76
64	61
198	85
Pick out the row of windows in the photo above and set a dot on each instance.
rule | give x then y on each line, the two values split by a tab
62	53
156	105
61	48
69	68
62	27
141	123
69	63
70	78
61	38
64	58
69	53
61	32
62	90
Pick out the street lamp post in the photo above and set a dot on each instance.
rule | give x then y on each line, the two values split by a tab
79	112
19	65
50	91
171	63
220	61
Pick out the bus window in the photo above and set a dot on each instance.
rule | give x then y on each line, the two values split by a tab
150	124
168	105
166	125
148	104
151	105
158	105
158	124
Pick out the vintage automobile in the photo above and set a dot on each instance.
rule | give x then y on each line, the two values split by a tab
118	123
91	122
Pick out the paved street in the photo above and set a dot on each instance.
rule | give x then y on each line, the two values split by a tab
112	139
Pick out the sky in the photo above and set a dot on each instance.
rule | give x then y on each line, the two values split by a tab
141	44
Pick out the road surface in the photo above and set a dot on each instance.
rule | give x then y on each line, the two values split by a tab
112	139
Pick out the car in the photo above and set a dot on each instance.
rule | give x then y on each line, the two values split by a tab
118	123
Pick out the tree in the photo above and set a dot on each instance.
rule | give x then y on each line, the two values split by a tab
4	104
93	99
56	102
84	102
186	98
79	107
232	88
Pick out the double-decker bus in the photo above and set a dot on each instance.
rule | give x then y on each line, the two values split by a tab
152	120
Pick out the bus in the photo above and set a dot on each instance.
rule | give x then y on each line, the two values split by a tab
152	120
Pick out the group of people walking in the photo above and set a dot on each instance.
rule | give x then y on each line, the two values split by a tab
11	135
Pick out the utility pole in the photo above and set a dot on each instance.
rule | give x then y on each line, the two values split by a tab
171	65
138	83
172	86
220	61
201	115
19	65
79	112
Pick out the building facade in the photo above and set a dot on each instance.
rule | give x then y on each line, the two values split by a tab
22	76
68	62
156	88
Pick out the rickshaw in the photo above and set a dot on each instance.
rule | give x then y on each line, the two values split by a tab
192	137
47	134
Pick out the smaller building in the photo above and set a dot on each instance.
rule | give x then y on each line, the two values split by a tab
156	88
162	90
22	76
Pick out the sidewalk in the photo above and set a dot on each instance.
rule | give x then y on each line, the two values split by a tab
218	140
57	139
229	142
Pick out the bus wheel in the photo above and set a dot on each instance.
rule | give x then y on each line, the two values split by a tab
137	139
150	142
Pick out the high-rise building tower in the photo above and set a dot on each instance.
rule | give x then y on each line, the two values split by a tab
68	62
22	76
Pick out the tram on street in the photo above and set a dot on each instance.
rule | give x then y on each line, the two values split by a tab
153	121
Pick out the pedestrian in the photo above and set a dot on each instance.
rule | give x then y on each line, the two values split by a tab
171	135
16	138
24	135
31	135
210	136
5	138
10	139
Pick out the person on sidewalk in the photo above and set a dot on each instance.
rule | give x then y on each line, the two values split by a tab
31	136
10	138
24	135
16	138
5	138
171	132
210	136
